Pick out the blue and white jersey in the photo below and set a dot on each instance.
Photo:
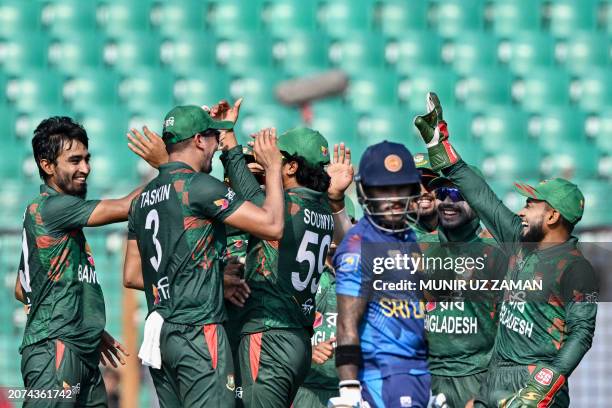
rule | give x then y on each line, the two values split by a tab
392	330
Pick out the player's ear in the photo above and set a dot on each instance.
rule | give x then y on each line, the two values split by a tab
552	216
47	166
292	168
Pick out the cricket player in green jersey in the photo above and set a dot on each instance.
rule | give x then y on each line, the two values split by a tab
64	338
283	275
460	328
176	246
543	334
424	207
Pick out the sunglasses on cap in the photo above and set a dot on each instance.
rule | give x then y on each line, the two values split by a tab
452	192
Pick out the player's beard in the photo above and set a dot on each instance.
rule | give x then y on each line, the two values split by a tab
207	162
69	185
533	233
463	214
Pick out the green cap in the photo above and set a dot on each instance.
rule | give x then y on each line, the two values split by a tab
183	122
560	194
305	142
442	181
421	161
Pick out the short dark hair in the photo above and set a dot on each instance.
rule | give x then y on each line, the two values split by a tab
50	137
182	145
309	176
566	224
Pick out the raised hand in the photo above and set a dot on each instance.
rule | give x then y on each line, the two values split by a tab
265	150
341	172
150	147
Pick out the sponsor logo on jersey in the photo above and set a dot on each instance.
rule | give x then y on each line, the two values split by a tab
349	262
230	195
222	203
231	385
544	376
430	306
405	401
307	306
239	392
318	321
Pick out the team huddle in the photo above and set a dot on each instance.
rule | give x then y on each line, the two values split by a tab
260	288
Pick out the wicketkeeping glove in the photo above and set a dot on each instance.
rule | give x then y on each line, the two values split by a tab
350	396
540	390
434	132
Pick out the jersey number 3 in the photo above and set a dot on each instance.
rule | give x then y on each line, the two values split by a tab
152	221
304	254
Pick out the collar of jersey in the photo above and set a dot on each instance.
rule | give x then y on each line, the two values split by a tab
557	250
176	165
45	188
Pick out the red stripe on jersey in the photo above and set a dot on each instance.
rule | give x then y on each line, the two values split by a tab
59	353
450	152
255	353
551	393
210	335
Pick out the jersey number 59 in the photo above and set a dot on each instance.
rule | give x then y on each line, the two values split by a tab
304	254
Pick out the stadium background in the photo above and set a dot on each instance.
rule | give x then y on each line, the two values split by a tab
526	86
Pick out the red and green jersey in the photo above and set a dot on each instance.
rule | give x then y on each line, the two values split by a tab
461	332
58	275
178	223
283	275
326	313
554	325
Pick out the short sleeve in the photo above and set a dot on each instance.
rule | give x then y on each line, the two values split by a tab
132	220
210	198
66	212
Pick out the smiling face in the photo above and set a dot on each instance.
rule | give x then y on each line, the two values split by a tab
453	215
532	216
70	171
425	206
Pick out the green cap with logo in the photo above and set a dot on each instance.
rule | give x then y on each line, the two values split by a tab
305	142
560	194
183	122
421	161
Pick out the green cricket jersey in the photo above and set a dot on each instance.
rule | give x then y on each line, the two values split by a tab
178	223
420	230
283	275
557	330
460	332
236	242
58	275
324	375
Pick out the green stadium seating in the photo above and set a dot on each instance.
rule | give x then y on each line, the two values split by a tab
342	17
372	87
469	51
70	53
187	51
243	51
526	50
605	16
28	50
34	88
18	17
225	17
565	17
599	128
596	204
513	162
301	51
68	16
91	87
396	16
390	123
542	87
10	167
123	52
506	17
144	85
358	51
257	117
202	87
593	90
256	86
499	126
412	48
117	16
555	126
423	79
285	17
8	117
583	51
571	160
175	17
459	120
484	87
152	116
451	17
337	123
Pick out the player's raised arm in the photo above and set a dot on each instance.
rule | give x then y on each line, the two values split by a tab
266	222
111	211
341	173
499	219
